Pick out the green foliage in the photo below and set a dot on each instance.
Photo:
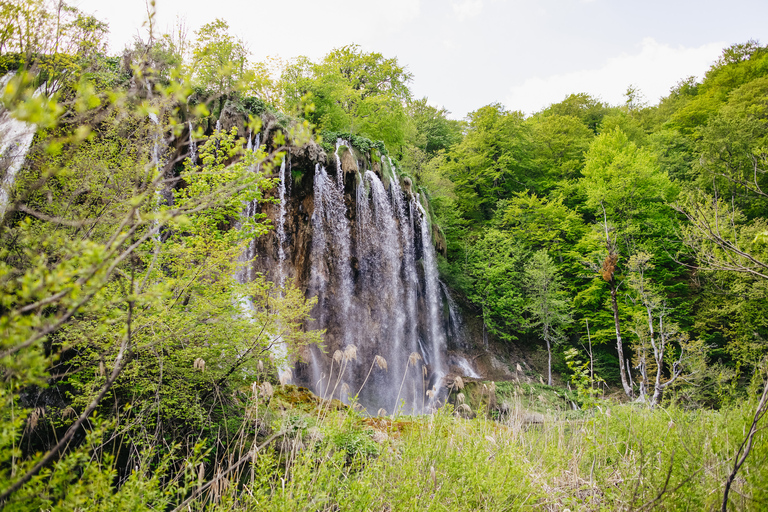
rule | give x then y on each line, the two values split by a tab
560	142
359	142
218	58
583	107
120	307
495	265
114	300
583	379
547	303
351	91
491	163
624	180
543	223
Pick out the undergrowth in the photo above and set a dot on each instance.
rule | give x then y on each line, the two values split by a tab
295	452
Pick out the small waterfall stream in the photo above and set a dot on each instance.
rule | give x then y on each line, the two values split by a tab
15	140
280	229
193	144
436	332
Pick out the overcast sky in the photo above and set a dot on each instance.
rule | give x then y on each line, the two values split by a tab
468	53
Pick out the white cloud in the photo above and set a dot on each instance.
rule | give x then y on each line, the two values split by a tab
466	9
653	70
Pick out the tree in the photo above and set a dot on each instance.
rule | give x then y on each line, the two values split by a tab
631	195
434	131
543	223
218	58
51	39
351	91
547	303
734	149
582	106
492	161
660	331
560	143
495	264
112	292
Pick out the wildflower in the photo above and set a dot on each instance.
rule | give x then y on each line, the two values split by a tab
414	358
380	362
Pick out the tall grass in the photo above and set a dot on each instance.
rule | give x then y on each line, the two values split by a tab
292	451
615	457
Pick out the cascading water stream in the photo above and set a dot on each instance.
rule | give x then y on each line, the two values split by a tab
156	165
340	173
466	368
410	276
15	140
331	272
455	321
437	339
382	279
281	238
192	144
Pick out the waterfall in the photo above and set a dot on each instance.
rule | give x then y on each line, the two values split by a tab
363	248
192	144
437	341
410	276
281	238
455	321
379	307
462	363
15	140
381	283
278	349
340	173
331	271
155	145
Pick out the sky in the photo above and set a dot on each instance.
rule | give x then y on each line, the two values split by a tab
465	54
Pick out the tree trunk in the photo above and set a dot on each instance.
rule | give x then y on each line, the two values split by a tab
549	364
549	355
619	345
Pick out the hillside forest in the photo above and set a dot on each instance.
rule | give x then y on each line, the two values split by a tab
621	249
